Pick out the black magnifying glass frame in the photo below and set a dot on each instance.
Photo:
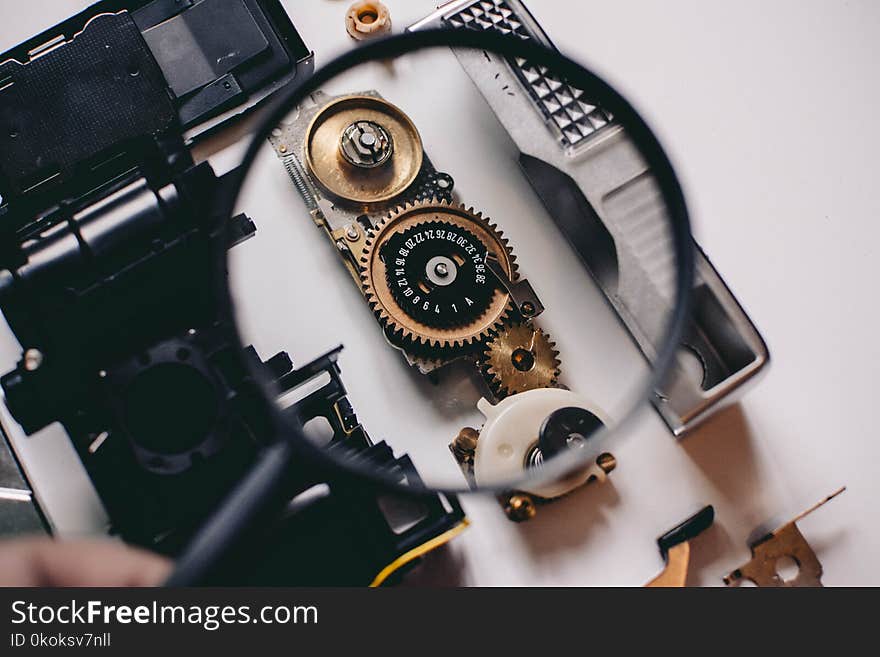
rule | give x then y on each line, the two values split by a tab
509	47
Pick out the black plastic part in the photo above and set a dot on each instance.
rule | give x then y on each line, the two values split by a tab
233	547
233	52
194	48
81	102
690	528
241	228
564	427
153	13
79	106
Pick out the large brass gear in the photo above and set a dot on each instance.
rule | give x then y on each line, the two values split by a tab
403	329
372	182
521	357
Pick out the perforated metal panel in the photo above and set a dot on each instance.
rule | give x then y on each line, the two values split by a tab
572	117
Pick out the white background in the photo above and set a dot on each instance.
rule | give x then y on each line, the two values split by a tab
768	111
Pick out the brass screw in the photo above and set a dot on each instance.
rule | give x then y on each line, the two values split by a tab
466	440
607	462
520	507
282	148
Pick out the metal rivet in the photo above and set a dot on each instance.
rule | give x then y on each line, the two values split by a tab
33	358
520	507
466	441
607	462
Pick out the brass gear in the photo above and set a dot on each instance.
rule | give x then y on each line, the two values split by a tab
412	334
374	182
521	357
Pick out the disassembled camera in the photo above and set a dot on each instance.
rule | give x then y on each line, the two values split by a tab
107	227
109	234
443	283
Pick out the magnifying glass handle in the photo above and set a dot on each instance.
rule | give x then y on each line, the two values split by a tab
262	491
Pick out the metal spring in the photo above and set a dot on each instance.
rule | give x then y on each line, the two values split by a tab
534	458
298	176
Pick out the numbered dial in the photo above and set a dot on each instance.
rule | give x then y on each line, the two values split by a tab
425	276
437	274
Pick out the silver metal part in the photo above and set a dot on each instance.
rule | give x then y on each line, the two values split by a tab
19	513
521	291
366	145
441	270
604	198
288	141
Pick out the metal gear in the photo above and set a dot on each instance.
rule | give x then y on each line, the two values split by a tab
437	294
521	357
363	150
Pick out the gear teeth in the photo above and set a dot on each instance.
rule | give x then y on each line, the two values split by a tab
405	337
496	364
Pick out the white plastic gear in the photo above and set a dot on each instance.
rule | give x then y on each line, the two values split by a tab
403	330
511	432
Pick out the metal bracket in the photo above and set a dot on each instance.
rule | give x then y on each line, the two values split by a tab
783	542
521	291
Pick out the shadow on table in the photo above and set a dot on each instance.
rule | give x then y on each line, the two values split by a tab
707	551
568	522
722	449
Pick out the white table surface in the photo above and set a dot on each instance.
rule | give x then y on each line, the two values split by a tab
768	112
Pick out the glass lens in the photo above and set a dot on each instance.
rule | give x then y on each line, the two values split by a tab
467	257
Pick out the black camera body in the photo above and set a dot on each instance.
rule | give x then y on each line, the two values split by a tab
109	279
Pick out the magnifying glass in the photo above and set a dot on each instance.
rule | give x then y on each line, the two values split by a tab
490	245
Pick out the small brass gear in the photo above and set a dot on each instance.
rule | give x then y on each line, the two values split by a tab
424	275
521	357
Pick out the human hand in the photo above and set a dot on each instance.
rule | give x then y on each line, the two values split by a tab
47	562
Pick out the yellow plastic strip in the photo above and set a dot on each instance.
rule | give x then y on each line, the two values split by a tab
418	551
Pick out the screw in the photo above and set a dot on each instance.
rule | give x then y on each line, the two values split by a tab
520	507
351	232
607	462
527	308
33	358
441	269
466	440
282	148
